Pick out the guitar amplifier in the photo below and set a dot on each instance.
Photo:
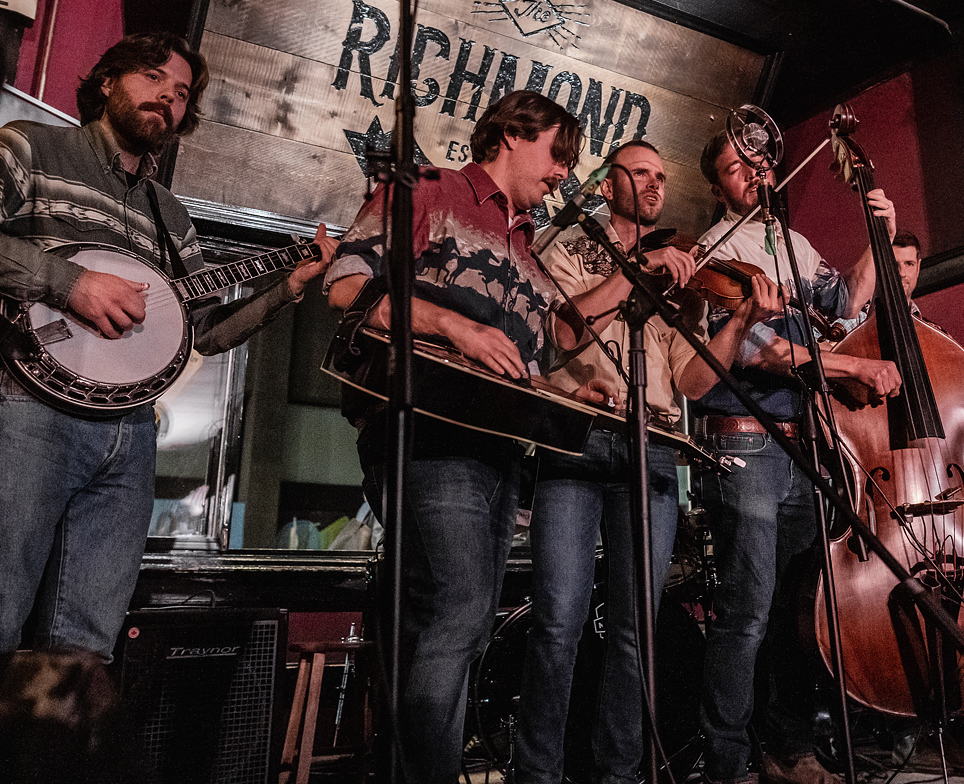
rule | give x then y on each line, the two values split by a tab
202	689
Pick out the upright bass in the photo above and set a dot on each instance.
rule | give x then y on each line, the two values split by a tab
904	457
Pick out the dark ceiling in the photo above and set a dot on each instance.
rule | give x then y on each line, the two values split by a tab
826	51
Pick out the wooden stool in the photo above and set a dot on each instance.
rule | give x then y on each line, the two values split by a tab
303	719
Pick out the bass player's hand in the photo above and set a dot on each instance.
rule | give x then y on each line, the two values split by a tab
110	304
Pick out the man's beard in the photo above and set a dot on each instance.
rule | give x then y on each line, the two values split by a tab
647	215
139	133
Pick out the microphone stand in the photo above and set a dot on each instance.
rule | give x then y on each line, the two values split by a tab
399	433
642	537
808	435
912	586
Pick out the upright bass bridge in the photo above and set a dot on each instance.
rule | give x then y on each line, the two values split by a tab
943	504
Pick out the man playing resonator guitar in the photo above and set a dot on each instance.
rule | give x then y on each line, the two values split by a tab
76	489
478	287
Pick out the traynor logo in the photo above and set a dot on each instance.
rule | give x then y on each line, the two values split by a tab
203	652
532	17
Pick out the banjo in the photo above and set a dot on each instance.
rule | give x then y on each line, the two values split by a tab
75	369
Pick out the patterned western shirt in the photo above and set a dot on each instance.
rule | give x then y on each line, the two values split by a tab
469	257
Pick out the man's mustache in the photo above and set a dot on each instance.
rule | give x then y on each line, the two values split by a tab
163	108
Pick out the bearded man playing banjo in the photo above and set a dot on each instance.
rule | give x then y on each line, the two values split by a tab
76	482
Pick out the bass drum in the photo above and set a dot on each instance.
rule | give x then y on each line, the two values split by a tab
497	682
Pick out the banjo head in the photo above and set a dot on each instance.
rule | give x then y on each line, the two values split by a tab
79	367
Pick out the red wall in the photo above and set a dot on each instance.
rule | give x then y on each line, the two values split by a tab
82	31
911	129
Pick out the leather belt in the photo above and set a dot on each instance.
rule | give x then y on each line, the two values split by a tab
719	425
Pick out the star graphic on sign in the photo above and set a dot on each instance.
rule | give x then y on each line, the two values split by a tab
376	139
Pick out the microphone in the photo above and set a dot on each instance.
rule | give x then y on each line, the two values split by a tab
569	214
756	138
763	193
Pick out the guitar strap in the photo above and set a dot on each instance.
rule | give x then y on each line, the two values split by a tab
343	351
164	239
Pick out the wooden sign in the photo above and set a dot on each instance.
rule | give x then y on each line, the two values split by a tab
300	91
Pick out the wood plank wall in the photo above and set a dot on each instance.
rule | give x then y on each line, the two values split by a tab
298	87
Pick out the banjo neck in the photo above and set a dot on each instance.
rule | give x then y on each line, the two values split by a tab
200	284
77	370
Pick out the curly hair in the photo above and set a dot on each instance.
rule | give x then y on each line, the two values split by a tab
138	52
526	114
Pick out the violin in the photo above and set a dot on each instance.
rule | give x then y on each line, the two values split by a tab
725	283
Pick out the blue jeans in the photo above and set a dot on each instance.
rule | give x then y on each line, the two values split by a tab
459	518
763	523
75	504
574	495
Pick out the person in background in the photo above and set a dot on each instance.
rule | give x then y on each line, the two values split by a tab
908	256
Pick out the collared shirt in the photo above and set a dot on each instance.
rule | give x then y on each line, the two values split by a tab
849	325
62	185
469	257
823	287
579	266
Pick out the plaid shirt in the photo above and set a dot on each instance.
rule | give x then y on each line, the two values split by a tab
823	287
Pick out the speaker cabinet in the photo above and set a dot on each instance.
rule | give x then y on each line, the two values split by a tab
202	687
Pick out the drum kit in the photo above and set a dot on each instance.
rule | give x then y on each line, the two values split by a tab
496	677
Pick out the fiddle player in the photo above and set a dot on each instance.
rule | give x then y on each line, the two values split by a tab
576	495
478	286
762	517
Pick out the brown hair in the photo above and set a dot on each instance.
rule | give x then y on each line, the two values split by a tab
711	153
526	114
614	152
137	52
906	239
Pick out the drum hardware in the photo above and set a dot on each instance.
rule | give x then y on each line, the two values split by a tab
496	677
693	578
496	681
349	669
